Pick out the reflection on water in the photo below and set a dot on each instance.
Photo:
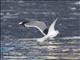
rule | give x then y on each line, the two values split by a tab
25	49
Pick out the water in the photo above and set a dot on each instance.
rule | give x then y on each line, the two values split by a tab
25	49
13	47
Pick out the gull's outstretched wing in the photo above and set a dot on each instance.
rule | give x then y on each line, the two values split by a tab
52	32
37	24
52	26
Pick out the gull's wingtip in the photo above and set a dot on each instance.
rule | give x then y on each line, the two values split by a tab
54	22
20	23
56	19
23	22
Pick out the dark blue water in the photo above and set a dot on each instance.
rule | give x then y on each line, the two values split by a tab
13	12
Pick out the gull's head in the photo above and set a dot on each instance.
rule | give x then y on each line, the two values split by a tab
57	32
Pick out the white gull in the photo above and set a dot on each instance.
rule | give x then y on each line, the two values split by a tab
48	33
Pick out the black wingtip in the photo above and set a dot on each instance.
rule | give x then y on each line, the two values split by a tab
45	31
24	22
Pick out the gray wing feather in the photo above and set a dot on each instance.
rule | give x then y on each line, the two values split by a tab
38	24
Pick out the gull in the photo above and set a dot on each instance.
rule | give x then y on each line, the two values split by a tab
50	32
